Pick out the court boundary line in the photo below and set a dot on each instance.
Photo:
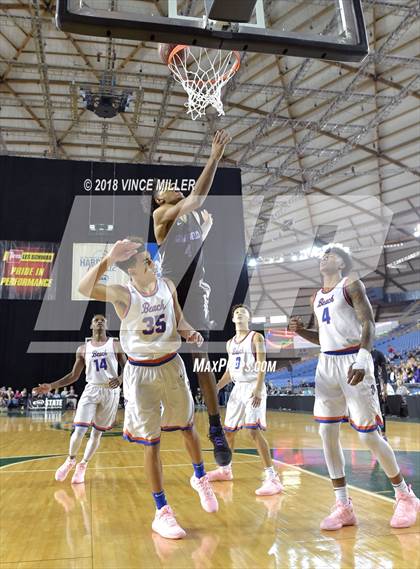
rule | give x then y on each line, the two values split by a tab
103	467
368	492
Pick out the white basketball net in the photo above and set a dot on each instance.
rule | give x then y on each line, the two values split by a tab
203	75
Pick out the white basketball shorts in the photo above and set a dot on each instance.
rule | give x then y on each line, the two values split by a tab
336	400
158	398
98	407
239	411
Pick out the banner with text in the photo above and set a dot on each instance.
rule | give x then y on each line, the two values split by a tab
26	270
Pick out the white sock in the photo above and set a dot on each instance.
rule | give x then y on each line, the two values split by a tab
92	444
227	468
269	472
402	487
342	494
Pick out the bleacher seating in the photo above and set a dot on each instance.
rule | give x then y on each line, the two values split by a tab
304	372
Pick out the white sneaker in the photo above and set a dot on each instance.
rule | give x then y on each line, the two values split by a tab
166	525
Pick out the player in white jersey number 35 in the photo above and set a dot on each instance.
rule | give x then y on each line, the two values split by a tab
98	404
156	388
345	388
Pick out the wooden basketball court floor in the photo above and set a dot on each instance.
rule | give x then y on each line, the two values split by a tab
105	523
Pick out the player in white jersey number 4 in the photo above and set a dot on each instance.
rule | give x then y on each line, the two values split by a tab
345	385
98	404
156	389
247	402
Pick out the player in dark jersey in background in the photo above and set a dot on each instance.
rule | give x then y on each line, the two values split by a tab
381	378
180	230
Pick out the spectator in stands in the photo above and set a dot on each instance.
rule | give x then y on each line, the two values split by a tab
56	394
72	398
389	389
401	388
416	376
381	379
199	398
64	393
24	397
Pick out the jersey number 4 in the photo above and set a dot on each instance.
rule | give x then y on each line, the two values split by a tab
100	364
154	324
326	315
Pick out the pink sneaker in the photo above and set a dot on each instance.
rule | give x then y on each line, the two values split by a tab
61	473
166	525
205	491
406	509
341	515
270	487
79	473
220	474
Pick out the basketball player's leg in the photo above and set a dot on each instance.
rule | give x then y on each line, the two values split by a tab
178	414
330	410
207	383
255	423
365	417
103	420
83	418
234	421
195	302
142	425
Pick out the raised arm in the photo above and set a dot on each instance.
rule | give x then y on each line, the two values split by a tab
90	287
202	187
69	378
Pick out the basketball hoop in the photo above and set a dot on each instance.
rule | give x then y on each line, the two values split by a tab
203	72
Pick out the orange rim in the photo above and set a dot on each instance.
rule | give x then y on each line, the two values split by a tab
225	76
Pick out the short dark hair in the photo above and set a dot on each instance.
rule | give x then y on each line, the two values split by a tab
95	315
241	306
348	262
125	265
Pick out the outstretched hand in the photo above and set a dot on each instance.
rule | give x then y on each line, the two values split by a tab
220	140
42	388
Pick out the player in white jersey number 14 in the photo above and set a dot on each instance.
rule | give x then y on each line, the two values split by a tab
98	404
156	389
345	385
247	402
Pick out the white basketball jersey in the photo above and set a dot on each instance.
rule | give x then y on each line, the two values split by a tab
149	329
338	326
101	362
242	362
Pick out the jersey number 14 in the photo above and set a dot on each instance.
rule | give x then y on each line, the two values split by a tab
100	364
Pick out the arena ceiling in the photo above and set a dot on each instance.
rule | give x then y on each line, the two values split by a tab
305	129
